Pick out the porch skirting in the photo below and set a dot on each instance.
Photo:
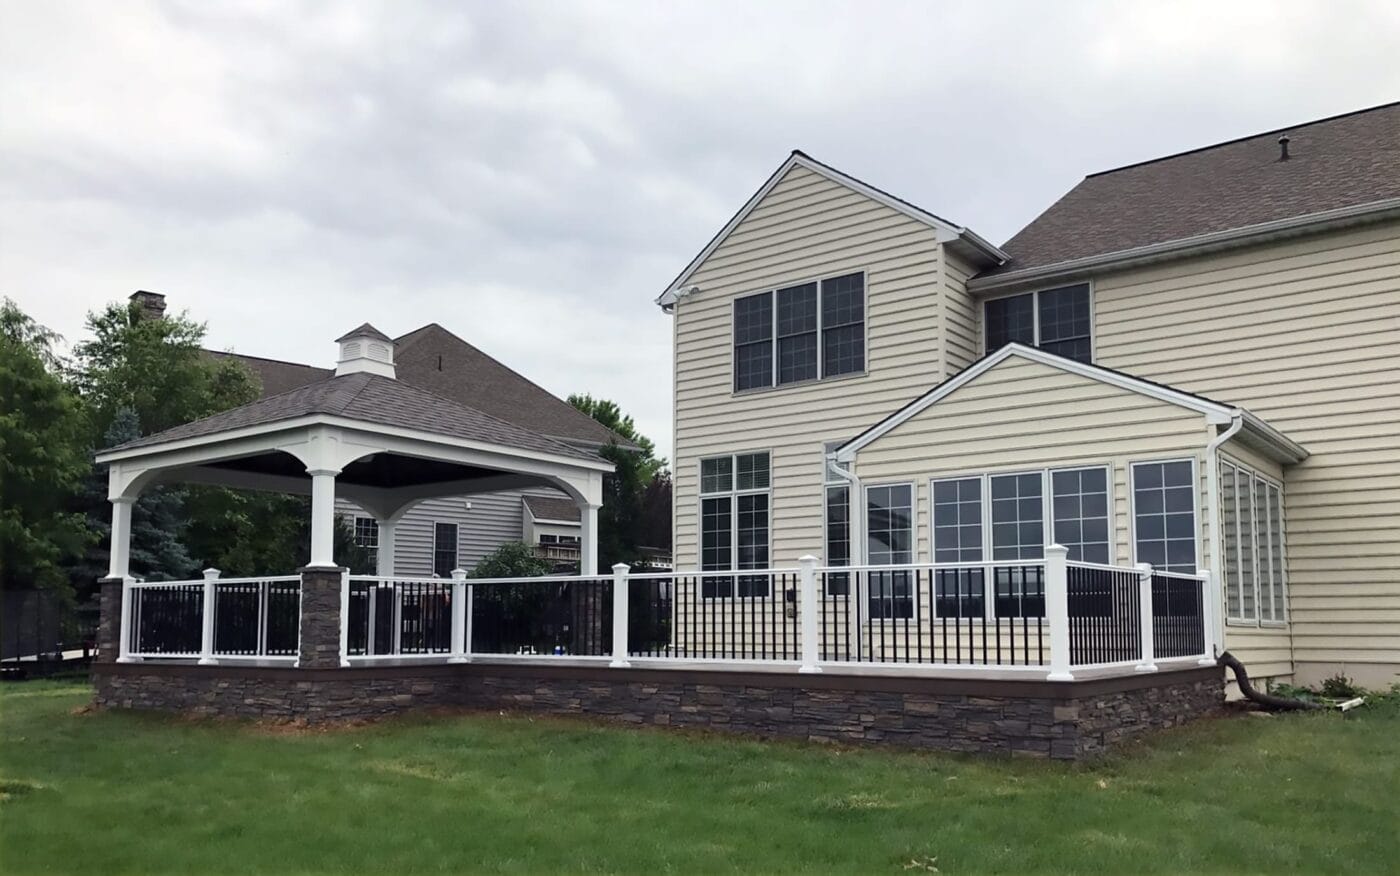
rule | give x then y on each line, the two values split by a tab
1064	720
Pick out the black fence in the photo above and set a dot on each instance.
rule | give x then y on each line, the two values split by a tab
543	617
1178	616
167	620
399	617
257	618
718	617
940	615
1105	617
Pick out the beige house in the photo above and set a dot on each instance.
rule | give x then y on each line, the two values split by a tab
1192	362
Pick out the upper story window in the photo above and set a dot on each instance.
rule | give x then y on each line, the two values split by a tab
1055	320
798	333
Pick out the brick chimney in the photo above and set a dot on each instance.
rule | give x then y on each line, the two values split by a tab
152	304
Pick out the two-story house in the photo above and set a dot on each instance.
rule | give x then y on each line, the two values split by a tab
1192	362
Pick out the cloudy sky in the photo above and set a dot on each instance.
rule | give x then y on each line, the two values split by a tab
532	175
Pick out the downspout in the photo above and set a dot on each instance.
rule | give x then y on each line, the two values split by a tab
1213	513
857	521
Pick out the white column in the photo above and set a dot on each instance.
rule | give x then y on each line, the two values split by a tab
119	561
1210	606
384	558
124	625
1148	662
1057	611
588	539
619	642
322	518
808	605
459	616
206	639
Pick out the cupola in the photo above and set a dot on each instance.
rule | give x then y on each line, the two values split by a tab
365	349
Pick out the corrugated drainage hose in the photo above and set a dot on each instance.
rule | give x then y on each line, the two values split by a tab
1269	701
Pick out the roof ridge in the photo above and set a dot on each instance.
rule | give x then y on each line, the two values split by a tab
1207	148
263	358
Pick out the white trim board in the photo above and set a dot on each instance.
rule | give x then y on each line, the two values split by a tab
1280	447
947	231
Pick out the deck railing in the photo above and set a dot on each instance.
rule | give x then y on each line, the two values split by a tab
1049	615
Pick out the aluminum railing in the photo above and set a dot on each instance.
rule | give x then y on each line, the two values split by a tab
1049	615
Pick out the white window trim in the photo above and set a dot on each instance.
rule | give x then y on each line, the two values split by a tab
773	336
1258	621
1195	503
732	493
1035	314
863	592
457	548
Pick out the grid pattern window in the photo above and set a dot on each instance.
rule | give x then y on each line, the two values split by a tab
444	549
797	333
1253	543
735	522
1055	320
889	534
809	331
1079	509
1018	517
957	538
1164	515
367	537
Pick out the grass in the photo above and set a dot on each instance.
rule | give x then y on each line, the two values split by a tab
121	792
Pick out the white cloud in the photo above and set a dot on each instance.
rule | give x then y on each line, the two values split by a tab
532	174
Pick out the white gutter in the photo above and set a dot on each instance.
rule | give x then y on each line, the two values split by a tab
858	546
1215	240
1213	514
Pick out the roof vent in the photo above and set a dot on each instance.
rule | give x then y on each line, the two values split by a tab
1283	148
365	349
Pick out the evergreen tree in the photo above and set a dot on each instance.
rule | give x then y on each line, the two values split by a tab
158	552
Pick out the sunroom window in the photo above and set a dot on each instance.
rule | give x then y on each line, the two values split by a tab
1164	515
734	522
1251	517
1055	320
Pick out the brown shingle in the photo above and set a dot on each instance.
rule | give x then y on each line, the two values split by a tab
1344	161
275	375
544	508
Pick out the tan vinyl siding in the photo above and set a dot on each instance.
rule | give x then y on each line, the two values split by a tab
983	427
1306	334
962	317
807	227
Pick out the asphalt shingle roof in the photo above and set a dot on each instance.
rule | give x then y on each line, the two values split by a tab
1344	161
544	508
370	398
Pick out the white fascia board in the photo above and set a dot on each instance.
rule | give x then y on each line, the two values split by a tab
947	232
351	425
1217	412
1279	445
1187	246
574	523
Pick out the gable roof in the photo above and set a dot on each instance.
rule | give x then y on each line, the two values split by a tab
1268	438
1338	168
438	360
978	249
365	330
275	375
368	398
554	510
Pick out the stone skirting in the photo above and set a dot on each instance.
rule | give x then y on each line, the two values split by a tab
1033	718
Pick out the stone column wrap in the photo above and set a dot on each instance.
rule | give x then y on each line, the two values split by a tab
320	618
109	619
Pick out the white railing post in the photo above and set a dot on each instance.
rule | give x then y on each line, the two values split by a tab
459	616
206	639
808	606
1210	604
1057	611
344	617
1149	662
619	637
124	624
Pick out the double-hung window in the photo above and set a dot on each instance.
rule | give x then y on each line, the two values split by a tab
1251	517
367	537
1164	515
444	549
889	534
1055	320
1018	533
808	331
957	538
734	523
838	523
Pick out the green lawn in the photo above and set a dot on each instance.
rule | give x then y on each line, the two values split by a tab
139	793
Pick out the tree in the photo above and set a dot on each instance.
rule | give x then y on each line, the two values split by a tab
632	496
514	559
43	458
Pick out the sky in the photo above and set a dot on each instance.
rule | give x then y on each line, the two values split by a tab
532	175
